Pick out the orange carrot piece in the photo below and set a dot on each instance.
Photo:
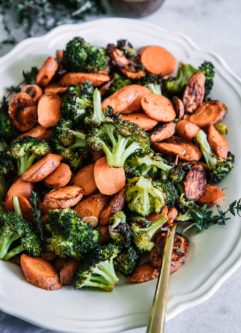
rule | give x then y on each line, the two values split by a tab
158	107
186	129
59	177
97	79
37	132
218	143
140	119
55	89
212	195
85	179
108	180
32	90
92	206
49	110
163	132
47	72
143	273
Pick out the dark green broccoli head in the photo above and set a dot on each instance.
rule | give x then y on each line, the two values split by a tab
126	261
153	82
75	102
7	130
209	71
68	236
16	236
151	165
177	173
26	150
175	86
127	48
118	140
143	232
119	81
80	56
144	196
170	192
119	230
6	166
98	269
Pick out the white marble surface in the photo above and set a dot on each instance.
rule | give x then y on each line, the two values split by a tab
213	25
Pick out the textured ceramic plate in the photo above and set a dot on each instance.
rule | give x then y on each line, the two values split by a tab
215	254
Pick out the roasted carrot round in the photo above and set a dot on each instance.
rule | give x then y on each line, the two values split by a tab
59	177
158	107
186	129
143	273
49	110
108	180
33	90
217	142
92	205
163	132
19	187
126	99
67	272
97	79
158	60
47	72
115	205
212	195
39	272
85	178
42	169
24	203
37	132
55	89
140	119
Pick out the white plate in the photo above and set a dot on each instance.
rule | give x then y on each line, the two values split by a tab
215	254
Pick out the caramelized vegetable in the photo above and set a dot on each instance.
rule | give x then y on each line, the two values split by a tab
97	79
179	107
37	132
194	92
140	119
116	204
195	182
59	177
212	195
32	90
92	206
67	272
186	130
143	273
47	72
158	107
218	143
85	178
163	132
49	112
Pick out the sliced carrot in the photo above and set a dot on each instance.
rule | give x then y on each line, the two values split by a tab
134	75
184	149
158	60
158	107
143	273
67	272
64	197
37	132
194	92
209	113
212	195
47	72
33	90
19	187
116	204
140	119
217	142
42	169
108	180
85	179
194	182
59	177
59	55
126	99
163	132
179	107
186	129
55	89
24	203
92	206
39	272
97	79
49	110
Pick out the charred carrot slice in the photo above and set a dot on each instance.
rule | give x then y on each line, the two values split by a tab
209	113
116	204
186	129
157	60
195	182
39	272
19	187
126	99
92	206
108	180
47	72
163	132
41	169
55	89
49	110
218	143
85	178
179	107
194	92
32	90
140	119
97	79
212	195
67	272
143	273
37	132
158	107
59	177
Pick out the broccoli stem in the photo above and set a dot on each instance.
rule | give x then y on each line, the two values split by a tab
154	88
154	226
14	252
209	157
16	206
98	115
25	163
5	243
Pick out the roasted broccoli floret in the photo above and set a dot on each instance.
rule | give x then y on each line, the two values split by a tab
209	71
119	81
174	86
144	196
6	166
218	168
118	140
7	130
126	261
152	82
148	165
75	102
26	150
16	236
127	48
143	231
98	270
69	143
119	230
177	173
80	56
95	116
67	235
170	192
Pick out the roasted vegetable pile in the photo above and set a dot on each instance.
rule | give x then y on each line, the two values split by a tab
102	150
